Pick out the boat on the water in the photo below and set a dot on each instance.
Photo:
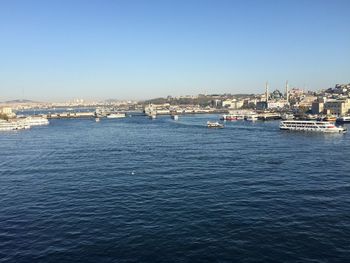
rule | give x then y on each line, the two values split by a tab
330	118
175	117
35	121
311	126
287	116
116	115
97	119
251	118
214	125
310	117
229	117
12	125
232	117
344	119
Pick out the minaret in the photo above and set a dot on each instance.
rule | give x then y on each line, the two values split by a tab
267	92
287	95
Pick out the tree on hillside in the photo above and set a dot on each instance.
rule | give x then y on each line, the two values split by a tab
4	116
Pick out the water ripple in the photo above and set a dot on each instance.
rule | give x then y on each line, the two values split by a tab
136	190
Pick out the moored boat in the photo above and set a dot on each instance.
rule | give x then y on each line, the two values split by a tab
252	118
311	126
227	117
35	121
311	117
232	117
344	119
330	118
287	116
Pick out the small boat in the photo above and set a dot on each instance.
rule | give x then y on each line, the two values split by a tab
287	116
116	115
175	117
97	119
311	117
252	118
214	125
330	118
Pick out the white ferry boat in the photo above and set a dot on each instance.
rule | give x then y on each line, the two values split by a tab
214	125
35	121
312	126
12	125
116	115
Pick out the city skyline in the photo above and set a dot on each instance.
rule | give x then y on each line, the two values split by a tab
56	51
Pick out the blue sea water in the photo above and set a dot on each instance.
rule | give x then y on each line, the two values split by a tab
140	190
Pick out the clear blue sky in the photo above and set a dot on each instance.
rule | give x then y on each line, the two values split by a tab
57	50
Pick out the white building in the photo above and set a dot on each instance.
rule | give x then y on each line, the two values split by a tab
7	111
277	104
337	107
232	104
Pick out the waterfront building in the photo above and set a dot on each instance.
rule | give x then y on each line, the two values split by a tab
317	107
216	103
337	107
8	112
306	101
277	104
261	105
232	104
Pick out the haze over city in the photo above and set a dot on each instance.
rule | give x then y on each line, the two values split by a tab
59	50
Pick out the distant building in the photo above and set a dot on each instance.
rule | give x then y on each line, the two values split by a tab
295	92
277	104
317	107
341	88
306	101
337	107
232	104
7	111
273	100
216	103
261	105
276	95
276	100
